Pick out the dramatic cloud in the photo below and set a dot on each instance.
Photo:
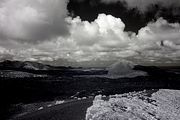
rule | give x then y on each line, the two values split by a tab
160	40
160	30
142	5
101	38
105	39
32	20
60	37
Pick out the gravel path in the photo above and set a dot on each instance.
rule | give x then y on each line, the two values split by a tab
74	110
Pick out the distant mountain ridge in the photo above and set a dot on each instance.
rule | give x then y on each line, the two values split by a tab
8	67
27	65
40	68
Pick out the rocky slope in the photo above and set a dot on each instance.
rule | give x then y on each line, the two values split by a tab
145	105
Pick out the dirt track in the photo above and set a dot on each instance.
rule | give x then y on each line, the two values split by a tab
75	110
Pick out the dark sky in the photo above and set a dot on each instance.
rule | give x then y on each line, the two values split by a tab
132	17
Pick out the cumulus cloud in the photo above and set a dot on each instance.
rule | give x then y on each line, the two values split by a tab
102	39
160	39
32	21
105	32
106	39
160	30
143	4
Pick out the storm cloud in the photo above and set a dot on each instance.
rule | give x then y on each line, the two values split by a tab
142	5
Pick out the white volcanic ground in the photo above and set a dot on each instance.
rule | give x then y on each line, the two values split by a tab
161	105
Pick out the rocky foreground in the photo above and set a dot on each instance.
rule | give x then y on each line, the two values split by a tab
145	105
160	104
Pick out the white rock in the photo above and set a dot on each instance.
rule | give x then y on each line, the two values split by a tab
40	108
84	98
163	105
49	105
79	98
59	102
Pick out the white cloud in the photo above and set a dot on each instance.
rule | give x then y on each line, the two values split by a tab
102	39
32	20
106	39
160	39
160	30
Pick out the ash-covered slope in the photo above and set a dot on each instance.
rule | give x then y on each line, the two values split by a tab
23	65
128	69
15	68
124	68
161	105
